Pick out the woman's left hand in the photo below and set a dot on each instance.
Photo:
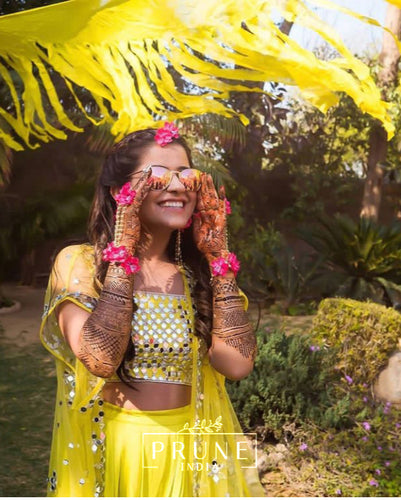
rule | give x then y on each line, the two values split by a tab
210	225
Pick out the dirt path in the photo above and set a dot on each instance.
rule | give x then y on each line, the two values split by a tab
22	327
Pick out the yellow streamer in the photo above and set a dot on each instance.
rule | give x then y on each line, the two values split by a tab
122	52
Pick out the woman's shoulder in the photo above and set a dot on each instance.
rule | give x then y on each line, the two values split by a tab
72	252
74	269
81	256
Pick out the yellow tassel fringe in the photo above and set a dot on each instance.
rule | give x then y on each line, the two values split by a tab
113	61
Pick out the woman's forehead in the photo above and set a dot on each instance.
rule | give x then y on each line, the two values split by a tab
170	156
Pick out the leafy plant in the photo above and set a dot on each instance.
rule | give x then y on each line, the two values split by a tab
363	335
291	277
27	223
289	384
270	268
363	258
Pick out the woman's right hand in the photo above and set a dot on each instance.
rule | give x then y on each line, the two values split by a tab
130	223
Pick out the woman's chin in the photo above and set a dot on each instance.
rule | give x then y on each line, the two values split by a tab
171	224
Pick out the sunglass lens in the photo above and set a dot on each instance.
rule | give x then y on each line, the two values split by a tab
160	177
190	178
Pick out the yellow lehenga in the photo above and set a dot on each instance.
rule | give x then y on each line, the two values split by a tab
99	449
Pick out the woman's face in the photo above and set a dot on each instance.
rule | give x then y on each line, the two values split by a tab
170	208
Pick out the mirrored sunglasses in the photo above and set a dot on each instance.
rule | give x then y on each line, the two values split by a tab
161	177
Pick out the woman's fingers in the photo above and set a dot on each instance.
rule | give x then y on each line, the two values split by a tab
213	199
202	193
142	187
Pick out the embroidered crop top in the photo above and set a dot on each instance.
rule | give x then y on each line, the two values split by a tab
162	336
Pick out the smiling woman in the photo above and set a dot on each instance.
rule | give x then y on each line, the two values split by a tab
146	322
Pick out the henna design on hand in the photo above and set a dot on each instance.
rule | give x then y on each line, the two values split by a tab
230	320
105	335
210	225
129	215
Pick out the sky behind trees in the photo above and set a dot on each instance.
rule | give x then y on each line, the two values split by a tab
360	37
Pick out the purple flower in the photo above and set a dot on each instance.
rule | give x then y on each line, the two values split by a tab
397	425
387	463
349	379
373	482
314	348
365	438
303	447
339	492
378	472
366	426
380	448
365	399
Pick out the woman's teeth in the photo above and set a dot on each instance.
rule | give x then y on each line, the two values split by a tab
178	204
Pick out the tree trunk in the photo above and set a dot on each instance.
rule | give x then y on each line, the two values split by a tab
387	78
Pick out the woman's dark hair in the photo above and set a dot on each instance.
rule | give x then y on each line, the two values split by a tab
116	171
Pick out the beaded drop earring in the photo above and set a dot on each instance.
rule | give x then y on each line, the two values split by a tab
178	253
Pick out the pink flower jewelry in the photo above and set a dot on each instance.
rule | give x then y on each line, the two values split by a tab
228	206
120	255
113	252
126	195
166	134
233	262
221	265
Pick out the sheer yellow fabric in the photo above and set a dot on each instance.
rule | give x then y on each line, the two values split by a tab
77	462
122	52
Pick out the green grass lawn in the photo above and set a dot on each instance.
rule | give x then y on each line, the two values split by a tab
27	395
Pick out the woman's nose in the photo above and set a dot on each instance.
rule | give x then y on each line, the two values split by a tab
175	183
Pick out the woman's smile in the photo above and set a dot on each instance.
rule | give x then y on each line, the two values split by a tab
172	203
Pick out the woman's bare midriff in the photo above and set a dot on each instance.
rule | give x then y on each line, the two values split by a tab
149	396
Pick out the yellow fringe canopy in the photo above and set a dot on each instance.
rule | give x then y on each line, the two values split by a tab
117	62
397	3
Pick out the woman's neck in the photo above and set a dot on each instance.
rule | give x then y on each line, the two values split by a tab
153	249
158	273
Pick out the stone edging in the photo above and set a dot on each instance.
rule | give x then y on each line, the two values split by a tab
11	309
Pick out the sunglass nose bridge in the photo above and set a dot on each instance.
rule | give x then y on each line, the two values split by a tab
174	177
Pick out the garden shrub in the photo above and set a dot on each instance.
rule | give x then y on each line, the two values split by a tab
362	460
363	334
291	382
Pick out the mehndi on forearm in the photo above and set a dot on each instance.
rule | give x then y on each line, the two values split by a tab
105	335
230	320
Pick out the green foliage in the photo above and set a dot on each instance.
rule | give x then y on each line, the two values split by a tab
289	384
254	246
270	269
27	223
362	460
291	277
362	334
363	258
